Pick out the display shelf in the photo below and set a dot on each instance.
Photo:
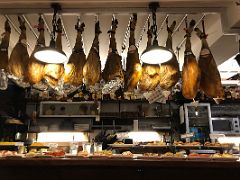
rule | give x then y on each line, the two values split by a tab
86	109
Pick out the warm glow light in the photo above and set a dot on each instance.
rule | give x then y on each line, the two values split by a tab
235	140
50	55
68	68
144	136
158	55
229	68
62	137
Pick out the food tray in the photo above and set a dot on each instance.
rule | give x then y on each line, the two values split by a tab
199	158
119	156
122	145
43	156
187	146
154	146
99	157
225	159
13	157
173	158
150	157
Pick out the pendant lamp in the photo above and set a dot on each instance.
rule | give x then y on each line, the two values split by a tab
155	54
50	54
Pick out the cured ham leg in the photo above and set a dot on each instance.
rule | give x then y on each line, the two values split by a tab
210	81
133	66
92	68
19	58
54	72
190	71
150	73
169	71
74	69
4	47
35	67
113	67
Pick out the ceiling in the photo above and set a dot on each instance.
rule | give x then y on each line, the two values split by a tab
221	23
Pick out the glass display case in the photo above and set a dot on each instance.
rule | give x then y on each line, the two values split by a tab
197	118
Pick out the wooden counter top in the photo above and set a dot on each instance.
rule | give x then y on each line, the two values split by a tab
116	169
117	162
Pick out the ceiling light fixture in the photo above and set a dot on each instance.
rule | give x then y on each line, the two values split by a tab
50	54
155	54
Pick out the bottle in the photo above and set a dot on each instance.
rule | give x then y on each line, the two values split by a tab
3	80
92	147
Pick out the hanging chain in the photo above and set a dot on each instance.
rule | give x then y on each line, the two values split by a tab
54	24
154	26
127	33
143	31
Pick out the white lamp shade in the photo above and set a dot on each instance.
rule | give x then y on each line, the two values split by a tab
50	55
156	55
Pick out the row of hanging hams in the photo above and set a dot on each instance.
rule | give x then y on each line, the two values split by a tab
202	74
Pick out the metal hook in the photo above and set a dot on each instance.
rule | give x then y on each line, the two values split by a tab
96	17
113	17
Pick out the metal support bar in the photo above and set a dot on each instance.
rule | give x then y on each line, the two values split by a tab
179	25
30	26
45	22
184	39
16	29
65	33
13	25
163	23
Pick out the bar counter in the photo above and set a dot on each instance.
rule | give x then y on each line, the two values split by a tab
127	169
